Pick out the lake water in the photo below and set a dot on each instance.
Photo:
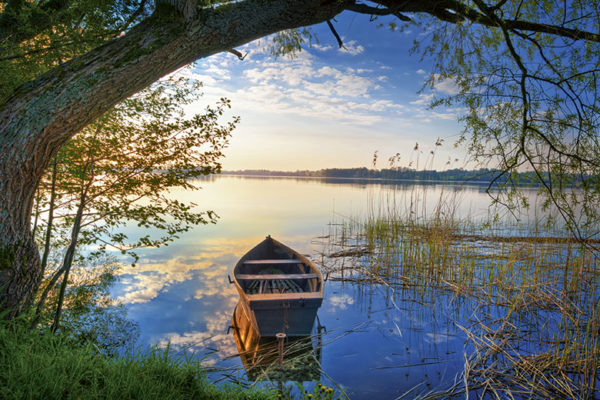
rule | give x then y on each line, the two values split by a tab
377	344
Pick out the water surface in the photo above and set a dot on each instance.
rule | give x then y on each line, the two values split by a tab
377	343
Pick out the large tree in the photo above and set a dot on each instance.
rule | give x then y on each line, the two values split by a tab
64	63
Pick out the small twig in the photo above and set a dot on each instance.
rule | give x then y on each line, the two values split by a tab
238	54
337	37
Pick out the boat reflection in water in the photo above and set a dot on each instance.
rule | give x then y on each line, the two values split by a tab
260	356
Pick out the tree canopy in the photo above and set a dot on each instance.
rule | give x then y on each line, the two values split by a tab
527	72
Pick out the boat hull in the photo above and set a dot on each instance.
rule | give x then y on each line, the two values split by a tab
294	318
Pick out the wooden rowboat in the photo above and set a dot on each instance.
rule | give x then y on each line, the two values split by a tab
280	289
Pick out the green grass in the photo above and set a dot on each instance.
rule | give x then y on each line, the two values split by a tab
39	365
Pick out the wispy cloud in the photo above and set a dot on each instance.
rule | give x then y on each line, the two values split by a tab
352	47
321	47
447	86
303	87
424	99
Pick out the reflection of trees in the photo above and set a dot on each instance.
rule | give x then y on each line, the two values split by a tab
90	315
364	175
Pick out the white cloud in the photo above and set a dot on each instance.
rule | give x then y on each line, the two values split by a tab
352	86
321	47
302	87
447	86
423	99
329	71
420	71
447	116
352	47
218	72
340	302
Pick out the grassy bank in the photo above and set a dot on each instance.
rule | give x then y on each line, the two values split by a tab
39	365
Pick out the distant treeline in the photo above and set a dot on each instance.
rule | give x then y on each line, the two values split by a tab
452	175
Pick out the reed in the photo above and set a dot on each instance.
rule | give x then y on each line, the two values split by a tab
528	274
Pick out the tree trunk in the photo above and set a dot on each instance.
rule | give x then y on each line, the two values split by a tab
68	260
43	114
20	266
49	225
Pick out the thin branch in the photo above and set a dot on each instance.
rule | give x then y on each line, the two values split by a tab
457	11
337	37
47	289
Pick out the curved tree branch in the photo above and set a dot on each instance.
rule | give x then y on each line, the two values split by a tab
458	11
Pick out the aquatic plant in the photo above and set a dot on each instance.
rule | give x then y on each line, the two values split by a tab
540	331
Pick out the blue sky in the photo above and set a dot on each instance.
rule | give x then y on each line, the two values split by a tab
332	107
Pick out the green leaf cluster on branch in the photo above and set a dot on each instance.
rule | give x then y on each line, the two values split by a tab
36	36
120	169
529	100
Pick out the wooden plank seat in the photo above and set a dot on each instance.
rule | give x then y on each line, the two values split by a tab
274	261
274	276
285	296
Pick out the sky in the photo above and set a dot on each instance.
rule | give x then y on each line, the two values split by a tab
332	107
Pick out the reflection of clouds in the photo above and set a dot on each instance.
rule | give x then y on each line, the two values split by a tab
210	268
145	286
150	279
142	288
437	338
340	302
221	288
214	337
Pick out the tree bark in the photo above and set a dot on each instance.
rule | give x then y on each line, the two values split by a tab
43	114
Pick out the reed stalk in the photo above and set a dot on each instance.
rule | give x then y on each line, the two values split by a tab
529	274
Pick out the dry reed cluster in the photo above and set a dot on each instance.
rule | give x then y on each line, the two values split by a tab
542	337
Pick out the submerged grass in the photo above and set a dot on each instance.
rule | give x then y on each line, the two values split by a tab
41	365
542	339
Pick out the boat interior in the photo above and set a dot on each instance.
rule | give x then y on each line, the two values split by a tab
272	270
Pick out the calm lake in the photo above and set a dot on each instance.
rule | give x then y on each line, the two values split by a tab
378	343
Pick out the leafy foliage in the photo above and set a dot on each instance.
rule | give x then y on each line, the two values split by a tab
530	100
37	36
117	171
128	160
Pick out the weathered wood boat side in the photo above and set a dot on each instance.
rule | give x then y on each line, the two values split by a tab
280	289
